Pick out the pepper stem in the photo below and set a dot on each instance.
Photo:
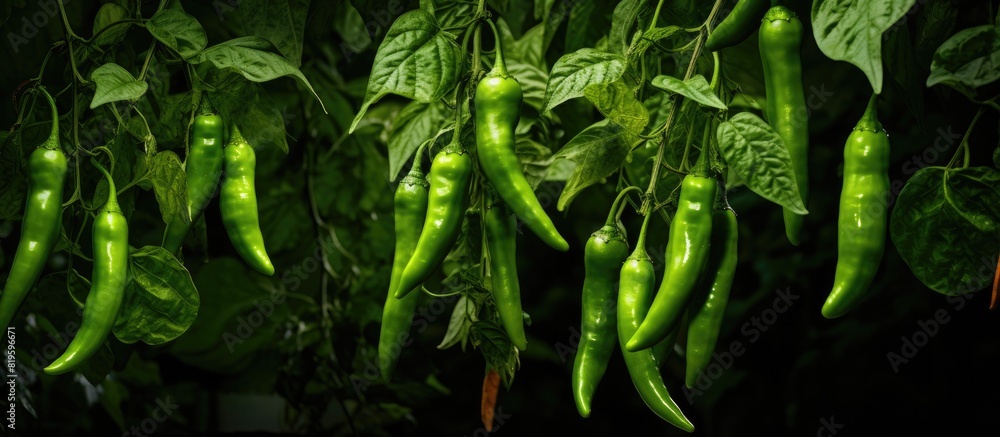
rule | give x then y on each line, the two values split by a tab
499	66
614	213
53	141
869	121
112	204
416	168
701	166
640	246
235	136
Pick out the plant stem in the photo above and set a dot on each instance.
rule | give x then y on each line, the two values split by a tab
65	20
963	146
145	64
673	111
656	15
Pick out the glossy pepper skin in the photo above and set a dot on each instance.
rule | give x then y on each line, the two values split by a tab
238	202
498	109
707	311
41	224
738	25
863	214
409	210
603	257
501	238
107	285
780	39
686	258
449	178
636	282
203	168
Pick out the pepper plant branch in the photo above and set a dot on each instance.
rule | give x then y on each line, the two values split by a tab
963	146
70	36
678	99
656	15
109	26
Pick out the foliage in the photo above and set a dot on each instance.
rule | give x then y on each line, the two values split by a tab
337	97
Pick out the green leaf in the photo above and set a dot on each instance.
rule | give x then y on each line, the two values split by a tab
852	31
416	60
574	71
417	122
179	31
170	187
967	60
500	354
248	56
598	151
935	24
527	50
532	80
248	106
349	25
642	41
579	25
161	301
462	318
622	20
618	103
282	22
238	318
946	227
536	160
755	152
115	84
696	88
108	14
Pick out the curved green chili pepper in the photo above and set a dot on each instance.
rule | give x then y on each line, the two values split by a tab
238	202
634	293
863	213
107	284
409	210
686	257
203	168
498	109
41	224
449	197
707	311
603	257
738	25
501	238
664	348
780	40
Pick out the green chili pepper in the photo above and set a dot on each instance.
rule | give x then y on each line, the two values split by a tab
686	257
498	109
780	39
634	293
203	169
238	202
107	284
863	213
663	349
501	237
707	311
449	197
738	25
409	210
41	224
603	257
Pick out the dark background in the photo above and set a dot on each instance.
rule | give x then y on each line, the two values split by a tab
801	375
